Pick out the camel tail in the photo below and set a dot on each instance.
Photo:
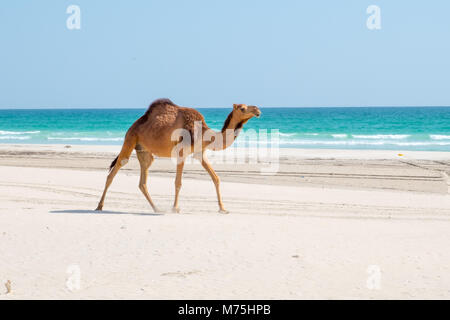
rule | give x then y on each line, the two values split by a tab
127	148
113	163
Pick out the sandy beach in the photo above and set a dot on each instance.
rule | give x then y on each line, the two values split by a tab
329	224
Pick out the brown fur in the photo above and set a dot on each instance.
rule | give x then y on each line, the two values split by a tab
151	135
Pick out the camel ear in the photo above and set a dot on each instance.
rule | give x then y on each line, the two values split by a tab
236	106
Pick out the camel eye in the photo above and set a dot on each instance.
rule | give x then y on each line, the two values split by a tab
242	109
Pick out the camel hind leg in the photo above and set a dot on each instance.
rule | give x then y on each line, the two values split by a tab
119	162
145	160
109	180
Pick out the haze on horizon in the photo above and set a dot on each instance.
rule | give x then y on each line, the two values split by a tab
205	54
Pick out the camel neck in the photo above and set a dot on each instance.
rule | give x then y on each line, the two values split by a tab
231	123
230	131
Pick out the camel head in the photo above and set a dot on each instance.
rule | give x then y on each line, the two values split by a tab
244	112
240	115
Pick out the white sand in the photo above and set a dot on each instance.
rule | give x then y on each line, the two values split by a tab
285	238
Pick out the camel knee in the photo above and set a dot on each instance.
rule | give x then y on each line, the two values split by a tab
123	162
142	187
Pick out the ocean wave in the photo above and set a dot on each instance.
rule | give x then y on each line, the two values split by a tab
361	143
18	132
311	134
85	138
439	137
381	136
286	134
339	135
14	137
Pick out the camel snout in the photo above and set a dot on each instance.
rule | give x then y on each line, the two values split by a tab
255	110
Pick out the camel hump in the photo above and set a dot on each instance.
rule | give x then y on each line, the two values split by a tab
163	101
160	102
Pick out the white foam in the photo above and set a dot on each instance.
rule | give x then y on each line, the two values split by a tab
18	132
339	136
363	142
286	134
14	137
381	136
85	139
439	137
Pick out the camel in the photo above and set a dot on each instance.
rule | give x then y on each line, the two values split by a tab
157	133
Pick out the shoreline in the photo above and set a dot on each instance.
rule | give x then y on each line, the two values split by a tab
413	171
300	153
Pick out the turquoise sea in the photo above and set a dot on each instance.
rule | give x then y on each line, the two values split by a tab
403	128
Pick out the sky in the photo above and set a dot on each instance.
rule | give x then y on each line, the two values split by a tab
204	53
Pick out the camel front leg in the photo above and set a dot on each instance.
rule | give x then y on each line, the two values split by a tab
180	166
216	180
145	160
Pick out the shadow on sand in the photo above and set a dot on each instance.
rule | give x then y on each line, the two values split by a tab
105	212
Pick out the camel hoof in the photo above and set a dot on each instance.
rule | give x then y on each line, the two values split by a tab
99	208
157	210
176	210
224	211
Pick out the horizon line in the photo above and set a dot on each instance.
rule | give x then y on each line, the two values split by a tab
290	107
